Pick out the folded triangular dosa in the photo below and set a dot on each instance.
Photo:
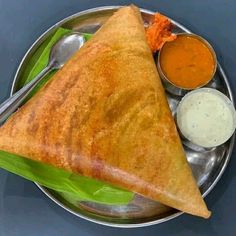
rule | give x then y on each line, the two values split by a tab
105	115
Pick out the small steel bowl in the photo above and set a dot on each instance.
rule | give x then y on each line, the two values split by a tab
171	87
187	141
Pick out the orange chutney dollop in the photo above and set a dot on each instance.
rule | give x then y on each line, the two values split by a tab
187	62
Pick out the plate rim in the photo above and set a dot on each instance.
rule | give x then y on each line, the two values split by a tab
47	193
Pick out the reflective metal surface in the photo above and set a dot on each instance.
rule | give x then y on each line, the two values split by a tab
207	165
60	53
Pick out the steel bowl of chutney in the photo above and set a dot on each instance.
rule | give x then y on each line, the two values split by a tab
186	63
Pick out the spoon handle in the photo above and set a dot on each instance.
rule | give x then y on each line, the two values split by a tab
12	103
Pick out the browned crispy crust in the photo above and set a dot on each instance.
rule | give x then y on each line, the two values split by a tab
105	115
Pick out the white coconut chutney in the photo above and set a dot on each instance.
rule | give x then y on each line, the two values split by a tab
206	117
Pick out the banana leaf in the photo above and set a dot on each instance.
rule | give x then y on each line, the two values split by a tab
67	185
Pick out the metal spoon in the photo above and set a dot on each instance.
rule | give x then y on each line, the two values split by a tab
62	50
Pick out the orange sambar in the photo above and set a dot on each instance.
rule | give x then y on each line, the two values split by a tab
187	62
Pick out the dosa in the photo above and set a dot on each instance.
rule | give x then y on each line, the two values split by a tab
105	115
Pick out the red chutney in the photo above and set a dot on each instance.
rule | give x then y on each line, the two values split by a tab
159	32
187	62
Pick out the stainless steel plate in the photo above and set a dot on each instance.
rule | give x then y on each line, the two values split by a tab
207	165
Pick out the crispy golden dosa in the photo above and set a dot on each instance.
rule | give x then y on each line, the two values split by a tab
105	115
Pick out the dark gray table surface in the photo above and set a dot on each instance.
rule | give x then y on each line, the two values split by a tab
24	210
